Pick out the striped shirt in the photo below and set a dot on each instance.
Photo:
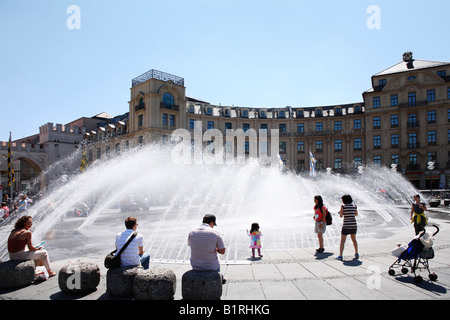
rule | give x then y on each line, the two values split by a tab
203	242
349	216
130	256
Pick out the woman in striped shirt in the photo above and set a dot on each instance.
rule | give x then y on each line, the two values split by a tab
349	227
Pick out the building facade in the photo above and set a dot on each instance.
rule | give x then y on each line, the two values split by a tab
403	121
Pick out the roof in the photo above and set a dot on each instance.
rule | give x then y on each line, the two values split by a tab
415	65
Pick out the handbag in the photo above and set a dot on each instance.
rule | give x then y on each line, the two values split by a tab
112	260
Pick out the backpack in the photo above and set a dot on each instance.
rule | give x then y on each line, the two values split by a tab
329	218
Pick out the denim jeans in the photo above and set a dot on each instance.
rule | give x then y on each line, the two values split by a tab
145	260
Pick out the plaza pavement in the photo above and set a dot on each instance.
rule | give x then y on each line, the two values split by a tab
298	274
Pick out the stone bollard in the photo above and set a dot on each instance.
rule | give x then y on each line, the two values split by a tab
120	281
79	277
155	284
201	285
16	273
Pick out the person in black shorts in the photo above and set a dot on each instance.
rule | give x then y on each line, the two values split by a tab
348	212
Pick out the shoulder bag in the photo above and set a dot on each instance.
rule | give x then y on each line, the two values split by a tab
112	260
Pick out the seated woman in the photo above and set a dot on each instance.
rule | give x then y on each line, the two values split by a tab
21	237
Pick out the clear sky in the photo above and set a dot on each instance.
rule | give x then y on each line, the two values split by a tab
256	53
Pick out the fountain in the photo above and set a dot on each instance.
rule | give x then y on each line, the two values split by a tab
178	195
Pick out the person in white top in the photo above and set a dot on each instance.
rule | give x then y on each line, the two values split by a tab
133	255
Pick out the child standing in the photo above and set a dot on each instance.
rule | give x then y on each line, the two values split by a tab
255	239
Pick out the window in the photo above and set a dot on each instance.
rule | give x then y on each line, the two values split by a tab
246	126
357	144
282	127
338	111
394	141
228	126
172	120
245	113
209	111
300	147
319	112
394	100
412	140
164	119
282	146
319	146
377	160
411	99
338	163
99	153
431	116
448	136
411	78
300	127
382	82
413	160
338	125
376	102
442	73
412	120
395	159
300	114
167	99
394	121
140	120
319	126
338	145
377	142
431	156
357	161
431	95
191	124
448	93
281	114
376	122
432	137
357	124
264	126
263	114
210	125
191	108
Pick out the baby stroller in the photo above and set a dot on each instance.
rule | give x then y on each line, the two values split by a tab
416	256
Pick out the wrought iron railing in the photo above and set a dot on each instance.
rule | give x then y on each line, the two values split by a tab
159	75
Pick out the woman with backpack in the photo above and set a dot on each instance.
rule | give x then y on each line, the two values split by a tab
320	213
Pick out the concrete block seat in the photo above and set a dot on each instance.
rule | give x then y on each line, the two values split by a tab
155	284
120	281
16	273
201	285
79	277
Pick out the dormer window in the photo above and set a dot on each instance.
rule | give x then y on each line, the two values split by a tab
209	111
282	114
245	113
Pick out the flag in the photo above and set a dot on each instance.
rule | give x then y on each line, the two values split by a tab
312	162
83	164
11	178
280	163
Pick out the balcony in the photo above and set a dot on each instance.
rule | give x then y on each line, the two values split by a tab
412	145
169	107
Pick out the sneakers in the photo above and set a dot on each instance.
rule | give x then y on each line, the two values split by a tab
320	250
340	257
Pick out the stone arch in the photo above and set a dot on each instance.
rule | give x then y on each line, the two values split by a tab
28	162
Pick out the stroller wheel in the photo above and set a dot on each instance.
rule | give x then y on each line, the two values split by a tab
404	270
418	279
433	276
391	272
